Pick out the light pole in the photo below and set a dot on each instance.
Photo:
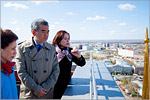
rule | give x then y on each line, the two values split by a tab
145	92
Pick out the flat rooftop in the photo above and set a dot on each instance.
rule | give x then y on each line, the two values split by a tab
79	87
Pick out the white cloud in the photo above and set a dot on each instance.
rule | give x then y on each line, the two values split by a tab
39	2
96	18
122	24
16	5
126	7
70	13
13	22
134	30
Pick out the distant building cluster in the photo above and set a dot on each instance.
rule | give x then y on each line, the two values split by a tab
132	51
125	52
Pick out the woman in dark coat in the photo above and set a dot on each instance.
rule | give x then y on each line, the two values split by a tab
66	56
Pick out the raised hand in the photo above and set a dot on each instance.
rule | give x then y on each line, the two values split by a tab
76	53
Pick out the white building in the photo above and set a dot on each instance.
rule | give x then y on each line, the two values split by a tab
120	66
125	52
87	47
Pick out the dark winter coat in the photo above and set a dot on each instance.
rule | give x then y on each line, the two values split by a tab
65	74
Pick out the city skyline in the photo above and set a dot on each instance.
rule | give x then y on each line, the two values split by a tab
84	20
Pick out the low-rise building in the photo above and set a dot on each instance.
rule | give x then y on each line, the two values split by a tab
125	52
87	47
120	66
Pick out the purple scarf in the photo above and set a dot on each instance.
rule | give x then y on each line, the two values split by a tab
62	54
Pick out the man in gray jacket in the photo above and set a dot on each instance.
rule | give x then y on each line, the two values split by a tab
37	64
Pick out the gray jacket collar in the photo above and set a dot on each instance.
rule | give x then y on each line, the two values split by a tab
30	43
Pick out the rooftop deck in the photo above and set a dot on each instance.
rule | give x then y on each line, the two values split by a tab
79	87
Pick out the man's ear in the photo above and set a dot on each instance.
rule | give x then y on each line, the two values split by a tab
33	32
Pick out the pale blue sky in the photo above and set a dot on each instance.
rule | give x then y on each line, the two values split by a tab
84	20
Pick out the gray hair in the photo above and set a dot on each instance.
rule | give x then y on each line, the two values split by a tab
35	24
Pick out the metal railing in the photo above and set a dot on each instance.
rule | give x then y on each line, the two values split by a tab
93	90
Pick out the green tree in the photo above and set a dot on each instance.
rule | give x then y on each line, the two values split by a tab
124	72
124	81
